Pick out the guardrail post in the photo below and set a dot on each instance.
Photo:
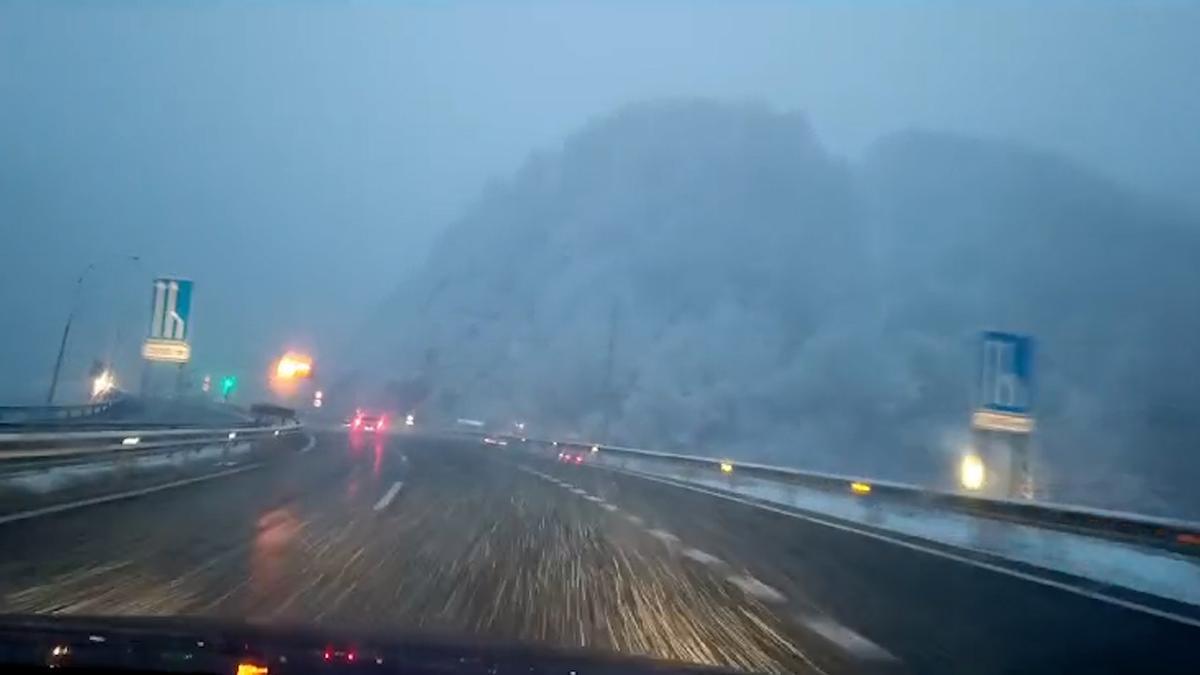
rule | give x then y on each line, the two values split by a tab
875	512
124	464
688	471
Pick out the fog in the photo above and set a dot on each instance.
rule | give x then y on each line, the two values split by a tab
299	161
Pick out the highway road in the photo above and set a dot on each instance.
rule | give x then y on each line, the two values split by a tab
456	538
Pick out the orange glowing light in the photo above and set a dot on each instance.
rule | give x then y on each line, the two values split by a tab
251	669
294	365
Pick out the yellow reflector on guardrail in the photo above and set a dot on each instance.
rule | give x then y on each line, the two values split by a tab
726	467
860	488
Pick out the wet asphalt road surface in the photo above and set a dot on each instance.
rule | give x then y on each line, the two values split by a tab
455	538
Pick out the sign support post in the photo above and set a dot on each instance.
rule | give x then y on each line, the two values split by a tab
1002	422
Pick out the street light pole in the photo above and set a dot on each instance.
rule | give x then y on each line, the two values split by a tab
62	345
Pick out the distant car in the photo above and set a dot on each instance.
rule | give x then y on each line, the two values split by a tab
571	456
365	422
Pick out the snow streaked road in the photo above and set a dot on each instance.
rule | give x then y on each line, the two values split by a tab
484	541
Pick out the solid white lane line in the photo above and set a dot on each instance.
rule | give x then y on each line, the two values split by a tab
312	441
664	536
59	508
702	557
1025	576
756	588
388	496
849	641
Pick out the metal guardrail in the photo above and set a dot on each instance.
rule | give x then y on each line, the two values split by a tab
1166	533
58	444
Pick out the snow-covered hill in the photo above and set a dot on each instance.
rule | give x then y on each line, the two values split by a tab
691	274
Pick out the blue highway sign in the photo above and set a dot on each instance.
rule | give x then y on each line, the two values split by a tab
171	309
1005	373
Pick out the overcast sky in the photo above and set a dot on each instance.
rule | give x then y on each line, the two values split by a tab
295	159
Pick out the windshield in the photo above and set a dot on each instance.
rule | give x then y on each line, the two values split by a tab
771	336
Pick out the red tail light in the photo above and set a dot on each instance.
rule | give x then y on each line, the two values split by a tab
381	421
579	459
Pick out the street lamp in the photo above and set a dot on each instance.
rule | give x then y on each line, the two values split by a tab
62	345
103	384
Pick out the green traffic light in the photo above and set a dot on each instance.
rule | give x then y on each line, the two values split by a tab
228	384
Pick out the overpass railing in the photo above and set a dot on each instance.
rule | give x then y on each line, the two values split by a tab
49	413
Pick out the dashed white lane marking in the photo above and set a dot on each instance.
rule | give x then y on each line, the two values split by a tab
702	557
846	639
664	536
388	496
754	587
843	637
312	441
992	567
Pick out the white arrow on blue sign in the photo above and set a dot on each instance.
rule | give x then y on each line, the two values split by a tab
170	312
1006	373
